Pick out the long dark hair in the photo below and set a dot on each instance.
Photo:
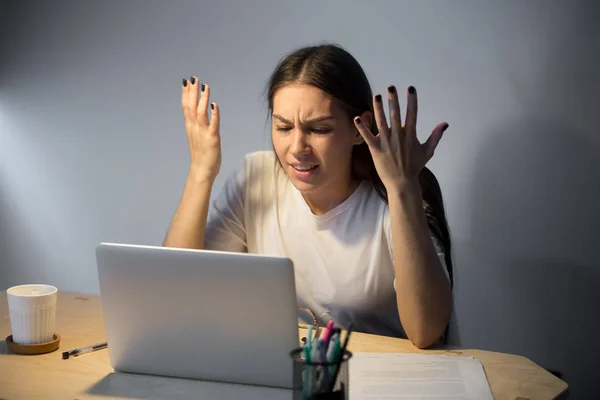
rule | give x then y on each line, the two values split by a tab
333	70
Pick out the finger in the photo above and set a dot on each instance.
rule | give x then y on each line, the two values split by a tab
202	110
411	111
215	119
432	141
365	132
394	105
185	98
380	119
192	96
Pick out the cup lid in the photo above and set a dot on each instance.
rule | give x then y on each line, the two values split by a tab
31	290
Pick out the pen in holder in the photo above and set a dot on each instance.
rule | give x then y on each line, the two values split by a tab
314	379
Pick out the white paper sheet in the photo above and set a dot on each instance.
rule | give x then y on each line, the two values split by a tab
416	376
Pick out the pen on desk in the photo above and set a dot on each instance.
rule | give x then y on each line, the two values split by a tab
84	350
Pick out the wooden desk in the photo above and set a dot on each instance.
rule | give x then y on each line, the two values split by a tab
79	322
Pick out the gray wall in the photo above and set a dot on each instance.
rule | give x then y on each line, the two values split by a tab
92	145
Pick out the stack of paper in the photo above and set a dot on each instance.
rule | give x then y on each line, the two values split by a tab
416	376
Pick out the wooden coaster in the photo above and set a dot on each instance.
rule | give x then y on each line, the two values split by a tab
31	349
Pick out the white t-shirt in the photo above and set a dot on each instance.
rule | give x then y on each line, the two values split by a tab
342	260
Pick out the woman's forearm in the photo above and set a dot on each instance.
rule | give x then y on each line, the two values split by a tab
423	291
189	222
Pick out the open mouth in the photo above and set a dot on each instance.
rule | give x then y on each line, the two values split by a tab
304	168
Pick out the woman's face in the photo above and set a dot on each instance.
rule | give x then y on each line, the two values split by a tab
313	139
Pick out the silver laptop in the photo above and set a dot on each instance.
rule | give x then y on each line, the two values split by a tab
198	314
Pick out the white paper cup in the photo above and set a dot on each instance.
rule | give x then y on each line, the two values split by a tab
32	311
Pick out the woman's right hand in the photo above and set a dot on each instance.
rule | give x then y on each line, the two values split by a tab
203	134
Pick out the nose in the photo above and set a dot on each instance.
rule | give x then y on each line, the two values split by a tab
300	143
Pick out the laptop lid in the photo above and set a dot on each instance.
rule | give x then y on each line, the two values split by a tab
199	314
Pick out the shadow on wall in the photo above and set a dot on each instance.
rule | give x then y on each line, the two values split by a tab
533	266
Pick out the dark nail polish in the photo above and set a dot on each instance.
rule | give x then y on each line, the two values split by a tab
193	80
184	82
411	89
392	89
378	98
445	127
212	106
202	87
358	120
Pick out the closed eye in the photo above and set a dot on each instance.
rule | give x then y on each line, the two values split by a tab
318	131
321	131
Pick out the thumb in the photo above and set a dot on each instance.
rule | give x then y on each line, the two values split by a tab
433	140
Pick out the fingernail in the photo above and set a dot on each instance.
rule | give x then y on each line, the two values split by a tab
184	82
392	89
411	89
378	98
202	87
212	106
358	120
193	80
445	127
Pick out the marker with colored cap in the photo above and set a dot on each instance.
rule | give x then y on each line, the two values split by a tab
327	334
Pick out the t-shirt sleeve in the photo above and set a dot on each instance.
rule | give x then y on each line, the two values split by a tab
225	228
439	249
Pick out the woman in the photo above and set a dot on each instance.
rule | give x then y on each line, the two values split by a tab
344	195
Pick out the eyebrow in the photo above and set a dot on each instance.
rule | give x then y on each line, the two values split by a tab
308	121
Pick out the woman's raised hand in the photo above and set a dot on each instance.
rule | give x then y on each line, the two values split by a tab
202	128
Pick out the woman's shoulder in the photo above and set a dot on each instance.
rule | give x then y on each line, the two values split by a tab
255	167
259	158
259	165
260	171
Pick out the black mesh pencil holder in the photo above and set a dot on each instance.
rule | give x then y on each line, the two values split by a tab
320	380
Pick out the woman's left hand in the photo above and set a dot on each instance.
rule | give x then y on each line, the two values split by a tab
397	153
